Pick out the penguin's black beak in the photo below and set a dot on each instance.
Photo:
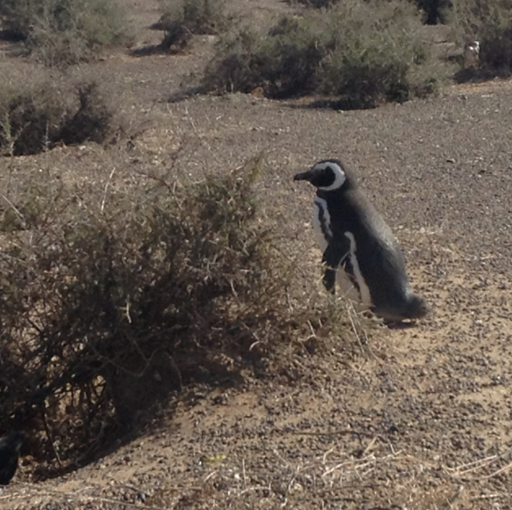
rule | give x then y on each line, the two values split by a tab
302	176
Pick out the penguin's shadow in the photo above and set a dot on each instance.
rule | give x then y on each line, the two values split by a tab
400	325
391	324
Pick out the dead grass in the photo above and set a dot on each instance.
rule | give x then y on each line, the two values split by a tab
376	475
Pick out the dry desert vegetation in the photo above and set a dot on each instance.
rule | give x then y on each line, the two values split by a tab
165	340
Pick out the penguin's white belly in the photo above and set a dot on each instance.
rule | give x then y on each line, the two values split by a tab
349	290
364	296
361	297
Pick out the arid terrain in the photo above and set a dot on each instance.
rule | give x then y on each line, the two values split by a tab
412	418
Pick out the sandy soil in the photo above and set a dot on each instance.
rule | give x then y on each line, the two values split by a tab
420	418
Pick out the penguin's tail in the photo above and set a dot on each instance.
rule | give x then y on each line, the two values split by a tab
412	307
416	308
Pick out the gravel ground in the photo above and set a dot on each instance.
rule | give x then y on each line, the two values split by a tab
419	417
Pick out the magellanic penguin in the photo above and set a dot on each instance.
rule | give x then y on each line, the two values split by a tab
10	446
354	237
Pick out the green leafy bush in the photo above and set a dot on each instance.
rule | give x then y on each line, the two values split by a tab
63	32
365	53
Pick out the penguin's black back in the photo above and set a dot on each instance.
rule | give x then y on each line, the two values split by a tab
379	256
9	452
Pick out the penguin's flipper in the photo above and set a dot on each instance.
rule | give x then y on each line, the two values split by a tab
329	279
333	257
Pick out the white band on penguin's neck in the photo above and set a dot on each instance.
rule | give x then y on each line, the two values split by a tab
339	175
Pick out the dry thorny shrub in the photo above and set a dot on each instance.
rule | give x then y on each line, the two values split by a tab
36	116
60	33
112	301
180	20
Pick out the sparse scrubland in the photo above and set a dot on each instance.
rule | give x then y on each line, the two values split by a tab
361	54
64	32
119	290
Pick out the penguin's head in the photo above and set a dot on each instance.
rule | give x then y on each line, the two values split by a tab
326	175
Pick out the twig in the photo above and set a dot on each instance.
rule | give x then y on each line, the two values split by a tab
313	334
350	311
474	464
335	468
210	475
486	496
370	446
324	456
50	438
15	209
504	468
280	457
341	432
106	189
455	498
244	478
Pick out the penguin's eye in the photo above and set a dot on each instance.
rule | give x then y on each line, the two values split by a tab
325	177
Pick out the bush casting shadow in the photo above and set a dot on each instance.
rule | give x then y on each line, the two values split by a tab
113	307
32	121
365	53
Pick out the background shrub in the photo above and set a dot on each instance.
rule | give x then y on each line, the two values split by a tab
34	116
30	116
63	32
182	19
284	64
380	57
365	53
489	23
436	11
